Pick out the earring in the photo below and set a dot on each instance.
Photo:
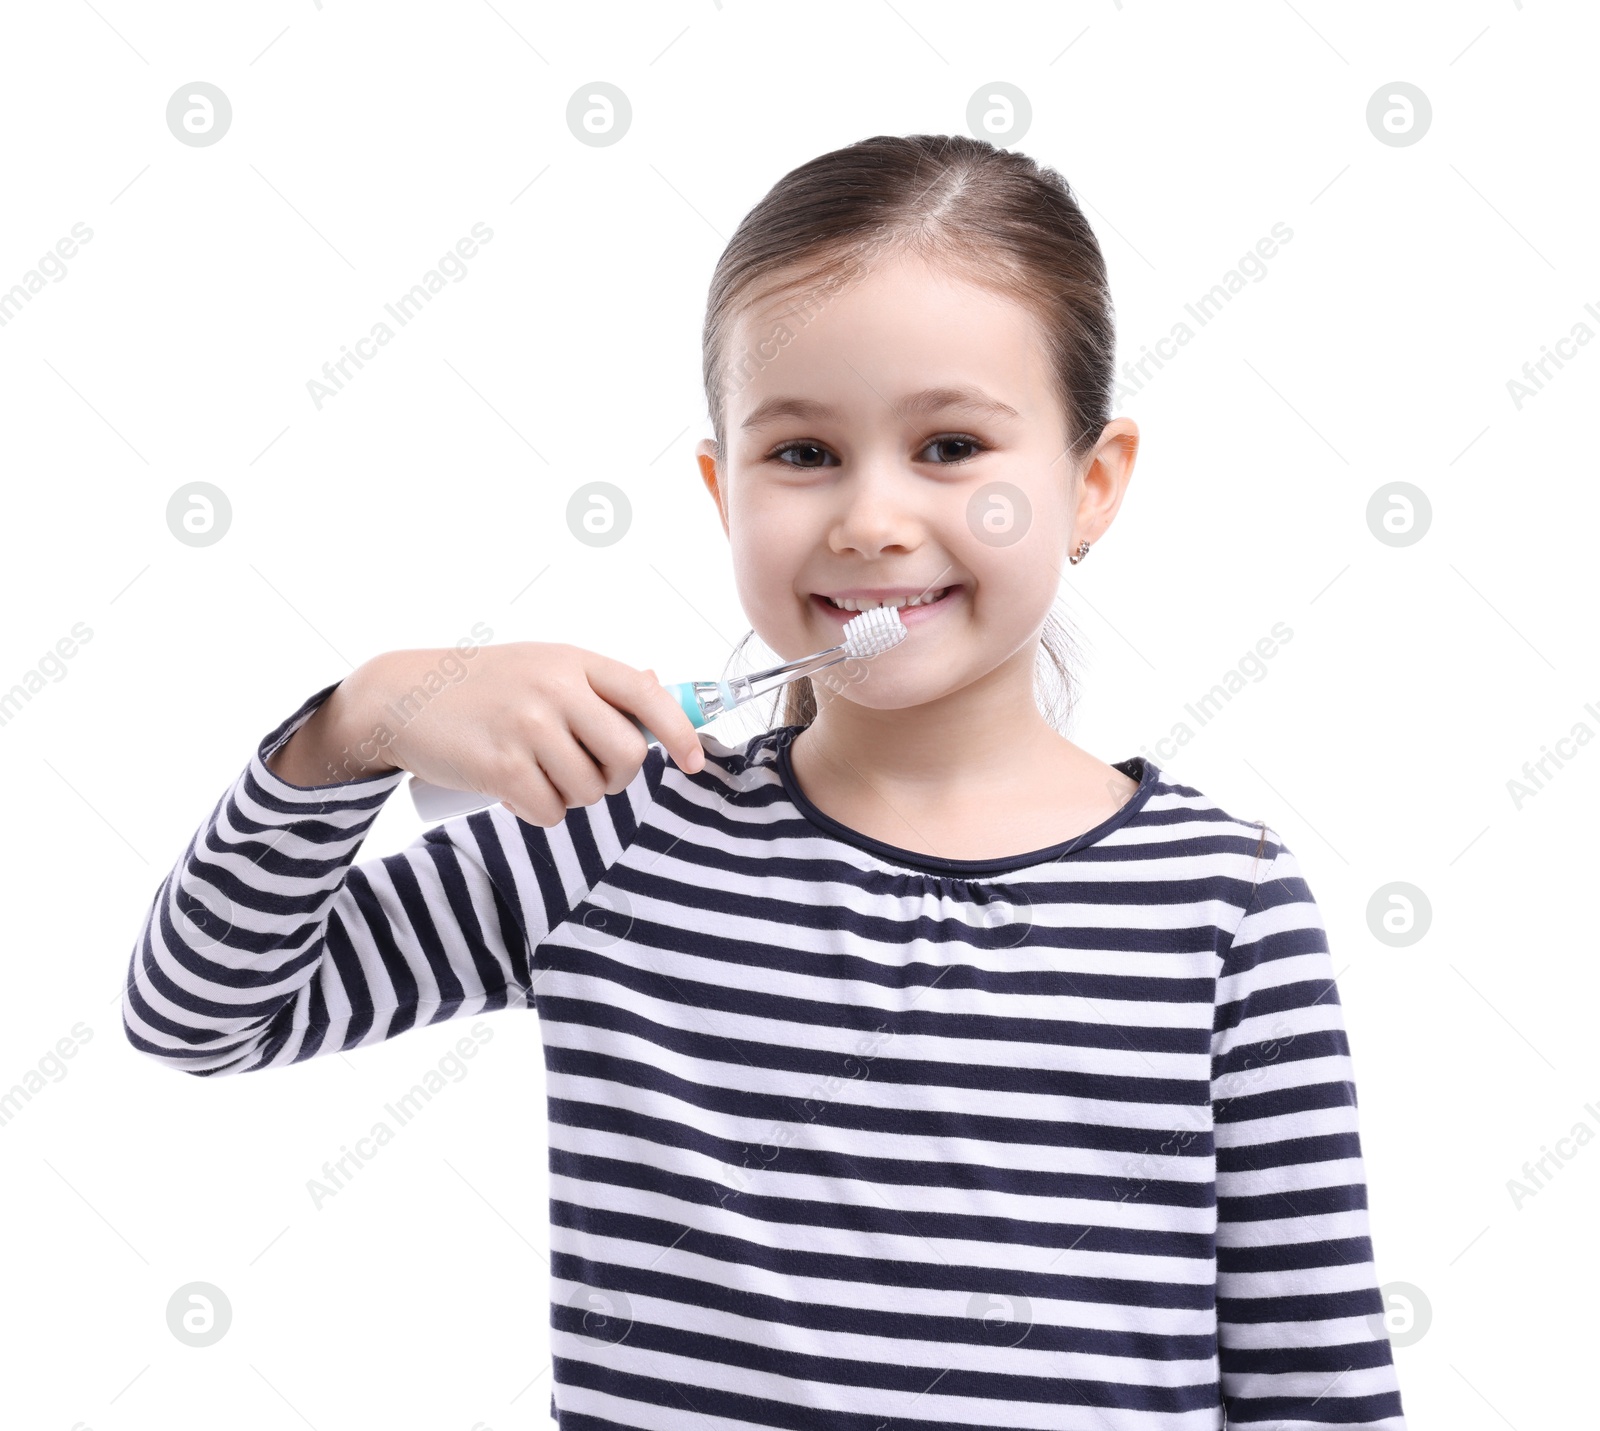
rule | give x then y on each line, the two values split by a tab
1080	554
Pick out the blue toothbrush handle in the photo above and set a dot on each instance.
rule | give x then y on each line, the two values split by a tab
688	702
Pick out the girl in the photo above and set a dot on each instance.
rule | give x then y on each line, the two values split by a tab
909	1067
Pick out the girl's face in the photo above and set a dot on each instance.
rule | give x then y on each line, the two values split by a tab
900	437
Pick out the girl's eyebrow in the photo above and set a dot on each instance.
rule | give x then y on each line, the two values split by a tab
919	403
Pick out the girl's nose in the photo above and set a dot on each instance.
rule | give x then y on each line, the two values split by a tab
877	510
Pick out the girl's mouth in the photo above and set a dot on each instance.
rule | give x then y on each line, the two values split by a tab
910	615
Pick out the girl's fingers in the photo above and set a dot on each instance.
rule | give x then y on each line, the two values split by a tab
570	770
613	743
638	693
533	799
586	741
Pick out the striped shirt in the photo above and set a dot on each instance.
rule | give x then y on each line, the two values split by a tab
845	1137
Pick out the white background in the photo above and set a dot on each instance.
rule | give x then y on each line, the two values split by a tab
366	140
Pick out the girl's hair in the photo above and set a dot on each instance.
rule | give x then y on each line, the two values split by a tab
989	215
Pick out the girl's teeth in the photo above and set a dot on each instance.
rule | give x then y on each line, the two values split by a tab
866	604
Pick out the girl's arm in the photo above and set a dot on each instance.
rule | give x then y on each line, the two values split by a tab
1300	1317
267	944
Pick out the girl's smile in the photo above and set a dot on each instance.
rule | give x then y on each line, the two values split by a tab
916	605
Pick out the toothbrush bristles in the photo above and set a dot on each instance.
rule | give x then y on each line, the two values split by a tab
874	632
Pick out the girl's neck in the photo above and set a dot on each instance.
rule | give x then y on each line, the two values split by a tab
946	752
958	792
976	774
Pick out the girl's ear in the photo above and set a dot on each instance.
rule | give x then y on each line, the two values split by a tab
706	456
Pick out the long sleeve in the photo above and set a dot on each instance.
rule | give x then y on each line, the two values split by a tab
1299	1314
267	944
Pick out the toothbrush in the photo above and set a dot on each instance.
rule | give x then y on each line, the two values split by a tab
869	634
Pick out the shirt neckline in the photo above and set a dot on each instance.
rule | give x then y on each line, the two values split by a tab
1135	767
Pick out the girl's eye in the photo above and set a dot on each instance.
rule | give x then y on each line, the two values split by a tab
810	449
957	439
814	454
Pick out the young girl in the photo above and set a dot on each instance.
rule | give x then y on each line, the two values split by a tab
908	1066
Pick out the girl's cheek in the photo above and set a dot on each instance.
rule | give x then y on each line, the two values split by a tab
765	580
770	547
1011	590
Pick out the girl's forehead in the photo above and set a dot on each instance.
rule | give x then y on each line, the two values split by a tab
894	333
804	292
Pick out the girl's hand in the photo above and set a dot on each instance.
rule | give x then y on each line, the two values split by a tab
537	725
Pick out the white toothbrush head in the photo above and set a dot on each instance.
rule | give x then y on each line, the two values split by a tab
874	632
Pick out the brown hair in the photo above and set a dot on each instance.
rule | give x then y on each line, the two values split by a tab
991	216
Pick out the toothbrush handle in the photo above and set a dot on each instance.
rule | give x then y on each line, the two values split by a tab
438	802
688	701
